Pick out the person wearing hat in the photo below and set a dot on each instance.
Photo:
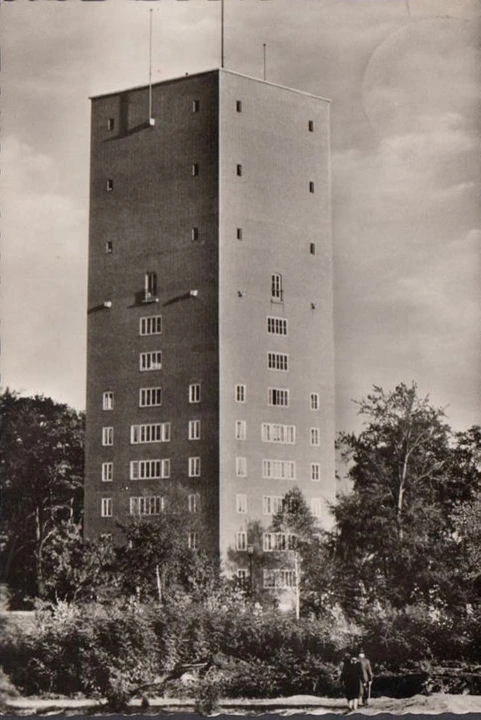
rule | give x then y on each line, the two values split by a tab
351	679
367	676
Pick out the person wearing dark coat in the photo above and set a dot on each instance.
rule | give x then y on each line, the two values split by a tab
351	679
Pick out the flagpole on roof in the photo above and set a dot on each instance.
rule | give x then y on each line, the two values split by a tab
222	33
151	119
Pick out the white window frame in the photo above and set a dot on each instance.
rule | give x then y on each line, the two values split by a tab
193	540
278	433
193	502
108	400
241	466
241	541
240	430
276	325
107	471
241	503
107	436
316	472
279	578
194	466
150	325
315	436
151	360
314	401
194	393
151	469
316	506
106	507
272	504
240	392
274	469
150	433
278	361
146	505
277	294
278	397
150	286
194	430
150	396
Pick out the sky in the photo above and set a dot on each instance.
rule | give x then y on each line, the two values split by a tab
405	83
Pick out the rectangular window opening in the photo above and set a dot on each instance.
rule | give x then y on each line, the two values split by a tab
239	170
238	106
110	185
110	124
194	393
151	325
239	233
195	106
312	248
311	187
311	125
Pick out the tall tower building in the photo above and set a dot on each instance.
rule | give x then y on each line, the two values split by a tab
210	326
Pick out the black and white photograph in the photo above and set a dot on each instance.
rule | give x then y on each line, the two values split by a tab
240	418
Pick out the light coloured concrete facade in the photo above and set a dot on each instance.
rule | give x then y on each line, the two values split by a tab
227	195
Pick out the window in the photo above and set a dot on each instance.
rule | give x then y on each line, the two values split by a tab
314	401
195	169
241	466
151	325
276	287
193	502
146	505
277	361
149	469
194	467
272	504
150	361
150	286
107	436
279	469
240	393
195	233
106	507
240	429
108	400
241	541
278	396
241	503
278	542
107	471
238	105
316	506
311	187
150	433
279	579
242	577
194	429
150	397
194	393
193	540
239	233
311	125
195	106
109	185
315	471
277	326
312	248
109	247
110	124
239	170
315	436
276	433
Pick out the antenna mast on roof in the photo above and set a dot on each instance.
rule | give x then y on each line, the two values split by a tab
222	33
264	47
151	119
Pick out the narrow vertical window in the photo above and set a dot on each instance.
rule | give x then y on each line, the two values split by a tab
238	106
315	436
240	429
110	185
312	248
108	400
241	502
195	169
107	436
311	187
195	233
109	247
193	540
240	393
107	471
194	429
241	541
311	125
241	467
195	106
194	467
276	286
110	124
315	471
106	507
314	401
150	286
193	502
239	233
239	170
194	393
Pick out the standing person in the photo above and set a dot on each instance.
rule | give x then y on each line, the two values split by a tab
351	678
367	677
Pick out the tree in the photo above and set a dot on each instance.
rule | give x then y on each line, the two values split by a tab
41	461
394	535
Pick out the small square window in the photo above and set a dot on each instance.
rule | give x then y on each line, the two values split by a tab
312	248
239	233
110	124
311	187
195	233
109	247
195	169
239	170
195	106
110	185
311	125
238	105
